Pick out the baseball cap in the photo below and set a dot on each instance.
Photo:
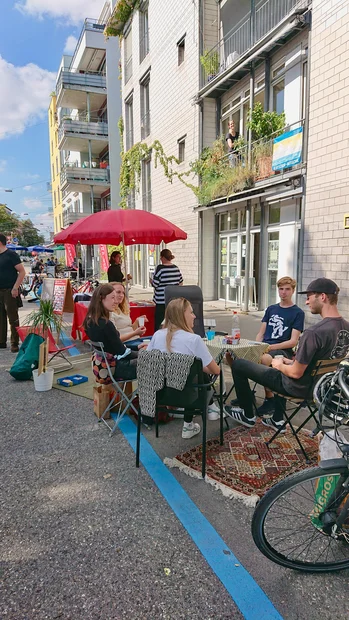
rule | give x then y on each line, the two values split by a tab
321	285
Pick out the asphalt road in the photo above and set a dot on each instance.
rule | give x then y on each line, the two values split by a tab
84	535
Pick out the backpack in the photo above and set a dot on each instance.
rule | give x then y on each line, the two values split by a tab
27	358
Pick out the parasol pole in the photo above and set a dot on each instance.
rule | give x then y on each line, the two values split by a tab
125	263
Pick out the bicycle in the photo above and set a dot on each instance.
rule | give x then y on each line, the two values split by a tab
303	521
36	285
84	286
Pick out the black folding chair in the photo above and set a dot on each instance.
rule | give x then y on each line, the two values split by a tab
322	367
194	295
193	399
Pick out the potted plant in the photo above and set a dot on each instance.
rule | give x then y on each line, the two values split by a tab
42	321
265	126
210	62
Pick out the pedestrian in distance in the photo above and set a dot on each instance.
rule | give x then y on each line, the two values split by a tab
12	274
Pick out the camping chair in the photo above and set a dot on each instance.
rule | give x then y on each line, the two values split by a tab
194	295
120	390
321	368
193	399
53	351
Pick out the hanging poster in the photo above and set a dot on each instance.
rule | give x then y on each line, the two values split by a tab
70	254
287	149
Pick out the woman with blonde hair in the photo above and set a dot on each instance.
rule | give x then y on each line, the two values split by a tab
177	336
120	316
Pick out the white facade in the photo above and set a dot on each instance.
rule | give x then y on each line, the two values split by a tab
167	79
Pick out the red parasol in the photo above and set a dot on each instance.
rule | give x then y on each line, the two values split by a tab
128	226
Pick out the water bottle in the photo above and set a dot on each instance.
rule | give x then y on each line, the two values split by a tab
235	328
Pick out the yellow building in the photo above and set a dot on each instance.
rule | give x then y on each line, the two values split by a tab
55	166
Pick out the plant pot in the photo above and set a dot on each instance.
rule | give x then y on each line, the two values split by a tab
43	382
264	164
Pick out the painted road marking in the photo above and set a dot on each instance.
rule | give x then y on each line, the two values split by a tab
245	592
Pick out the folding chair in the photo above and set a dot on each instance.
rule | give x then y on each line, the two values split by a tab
321	368
193	294
54	350
192	399
119	387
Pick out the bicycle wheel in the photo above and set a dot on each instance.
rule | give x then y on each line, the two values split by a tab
285	527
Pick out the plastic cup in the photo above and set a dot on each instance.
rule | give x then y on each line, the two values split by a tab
210	334
278	357
141	321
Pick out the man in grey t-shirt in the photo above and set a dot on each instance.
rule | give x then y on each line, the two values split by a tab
328	339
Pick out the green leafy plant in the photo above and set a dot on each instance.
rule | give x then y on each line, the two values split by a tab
45	318
210	62
265	124
121	14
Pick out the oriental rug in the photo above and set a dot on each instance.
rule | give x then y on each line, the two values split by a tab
244	467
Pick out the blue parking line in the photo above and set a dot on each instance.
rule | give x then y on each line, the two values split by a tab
245	592
67	341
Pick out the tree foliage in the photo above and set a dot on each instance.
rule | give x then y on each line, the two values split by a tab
23	230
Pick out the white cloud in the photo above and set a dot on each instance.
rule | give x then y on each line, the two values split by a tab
70	45
3	164
25	96
27	188
32	176
73	10
33	204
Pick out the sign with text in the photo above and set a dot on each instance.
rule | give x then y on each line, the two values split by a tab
287	149
104	257
60	292
70	254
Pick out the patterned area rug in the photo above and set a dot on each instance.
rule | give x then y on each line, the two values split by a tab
244	466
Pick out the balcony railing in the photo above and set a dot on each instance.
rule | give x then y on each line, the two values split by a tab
128	69
82	129
88	79
145	125
76	174
240	38
89	24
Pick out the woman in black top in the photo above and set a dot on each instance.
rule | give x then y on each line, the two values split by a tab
114	272
100	329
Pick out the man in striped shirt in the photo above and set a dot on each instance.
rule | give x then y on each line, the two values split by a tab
165	274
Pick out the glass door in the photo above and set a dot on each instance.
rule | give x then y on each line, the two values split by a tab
223	266
272	266
233	268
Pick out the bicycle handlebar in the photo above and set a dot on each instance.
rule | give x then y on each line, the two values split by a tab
342	383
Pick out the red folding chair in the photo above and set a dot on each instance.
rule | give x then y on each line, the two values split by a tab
54	350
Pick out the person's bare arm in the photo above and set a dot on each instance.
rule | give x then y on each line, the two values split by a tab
140	331
294	370
212	368
20	278
230	143
288	344
260	335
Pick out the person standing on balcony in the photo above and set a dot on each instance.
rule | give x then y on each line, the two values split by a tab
12	274
165	274
230	139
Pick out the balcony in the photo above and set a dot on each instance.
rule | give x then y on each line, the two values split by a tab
74	135
249	33
90	47
80	179
69	217
270	160
72	87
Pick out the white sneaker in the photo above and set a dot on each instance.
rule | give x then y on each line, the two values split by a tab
190	429
213	412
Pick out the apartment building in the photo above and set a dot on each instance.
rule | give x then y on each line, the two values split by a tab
55	166
326	217
160	80
85	125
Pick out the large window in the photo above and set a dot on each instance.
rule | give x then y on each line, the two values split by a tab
143	34
238	108
128	57
129	122
146	185
279	96
145	106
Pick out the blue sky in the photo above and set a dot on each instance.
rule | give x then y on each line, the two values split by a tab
33	36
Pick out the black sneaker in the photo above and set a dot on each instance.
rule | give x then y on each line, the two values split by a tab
238	414
267	408
270	422
234	402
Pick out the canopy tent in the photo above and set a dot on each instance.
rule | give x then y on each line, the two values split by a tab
39	248
127	226
58	248
13	246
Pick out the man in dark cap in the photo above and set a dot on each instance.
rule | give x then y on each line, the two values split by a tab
327	339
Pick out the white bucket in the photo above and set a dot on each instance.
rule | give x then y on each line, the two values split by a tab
43	382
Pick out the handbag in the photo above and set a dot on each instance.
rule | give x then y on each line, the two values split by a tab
27	358
99	367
